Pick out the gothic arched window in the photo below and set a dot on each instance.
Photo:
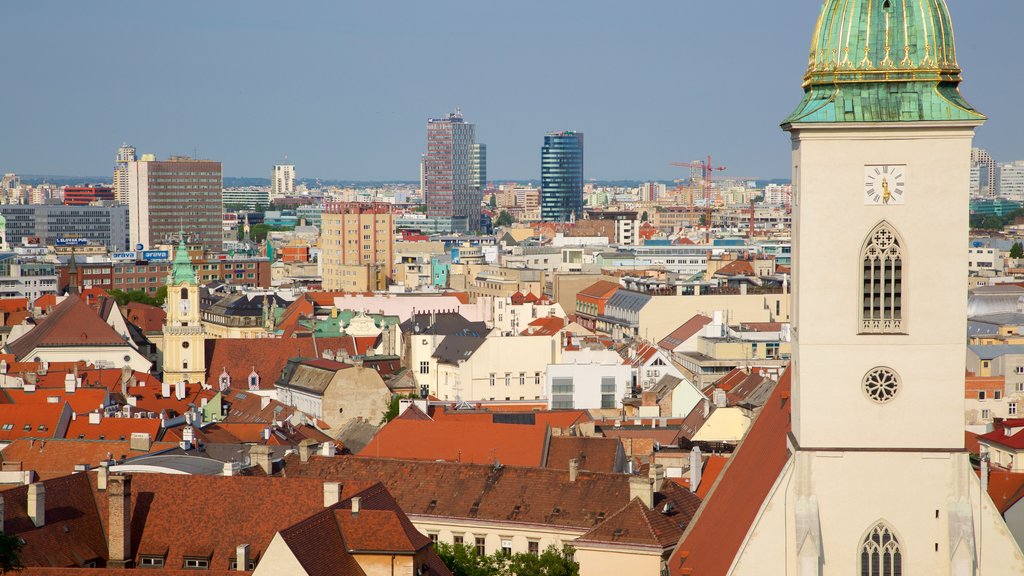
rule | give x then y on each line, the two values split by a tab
880	553
184	293
882	282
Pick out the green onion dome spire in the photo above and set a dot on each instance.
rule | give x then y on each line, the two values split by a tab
883	61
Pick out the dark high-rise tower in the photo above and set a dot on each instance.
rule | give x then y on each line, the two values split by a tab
449	190
561	176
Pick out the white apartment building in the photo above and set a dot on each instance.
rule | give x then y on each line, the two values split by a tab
587	380
282	181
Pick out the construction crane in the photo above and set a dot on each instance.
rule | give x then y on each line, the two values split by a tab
707	169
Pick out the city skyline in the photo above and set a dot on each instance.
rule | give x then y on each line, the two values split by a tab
355	112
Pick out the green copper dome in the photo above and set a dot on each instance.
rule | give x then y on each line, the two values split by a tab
883	61
182	270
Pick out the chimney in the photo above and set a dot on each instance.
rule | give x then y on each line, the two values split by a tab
126	374
228	469
305	448
261	456
696	468
165	389
179	390
657	475
101	478
355	505
69	383
37	504
140	441
332	493
119	537
707	407
640	487
328	449
720	399
242	558
95	417
984	472
574	470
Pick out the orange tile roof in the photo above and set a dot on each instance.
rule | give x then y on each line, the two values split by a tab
147	318
713	466
454	441
112	428
736	268
636	524
1005	488
713	539
82	400
53	457
9	305
32	420
602	289
544	326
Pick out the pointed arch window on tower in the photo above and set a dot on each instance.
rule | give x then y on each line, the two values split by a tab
880	553
882	281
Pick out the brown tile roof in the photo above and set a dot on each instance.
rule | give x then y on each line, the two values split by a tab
147	318
637	524
593	453
325	542
507	493
713	539
713	467
82	400
70	323
454	441
269	356
53	457
688	330
162	502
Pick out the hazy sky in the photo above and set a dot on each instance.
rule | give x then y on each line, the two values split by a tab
344	87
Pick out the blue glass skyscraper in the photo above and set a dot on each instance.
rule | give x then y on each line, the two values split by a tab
561	176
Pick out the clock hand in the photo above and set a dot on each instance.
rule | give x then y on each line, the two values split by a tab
885	191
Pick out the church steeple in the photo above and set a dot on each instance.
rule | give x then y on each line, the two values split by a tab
182	270
72	274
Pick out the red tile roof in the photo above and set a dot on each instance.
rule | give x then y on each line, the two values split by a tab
71	323
999	435
636	524
544	326
713	539
713	466
736	268
454	441
688	330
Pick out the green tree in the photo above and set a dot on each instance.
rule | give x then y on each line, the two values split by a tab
493	202
992	223
123	298
643	217
10	553
504	219
463	560
1017	250
392	411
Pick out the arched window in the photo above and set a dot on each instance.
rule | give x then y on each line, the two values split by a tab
882	281
184	293
880	554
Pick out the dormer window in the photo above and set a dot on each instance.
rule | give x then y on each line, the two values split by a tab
224	380
254	380
196	563
151	561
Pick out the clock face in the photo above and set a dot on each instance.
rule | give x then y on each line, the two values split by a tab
885	184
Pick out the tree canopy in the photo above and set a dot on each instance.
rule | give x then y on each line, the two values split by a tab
463	560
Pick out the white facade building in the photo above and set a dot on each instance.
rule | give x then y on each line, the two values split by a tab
282	181
587	380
